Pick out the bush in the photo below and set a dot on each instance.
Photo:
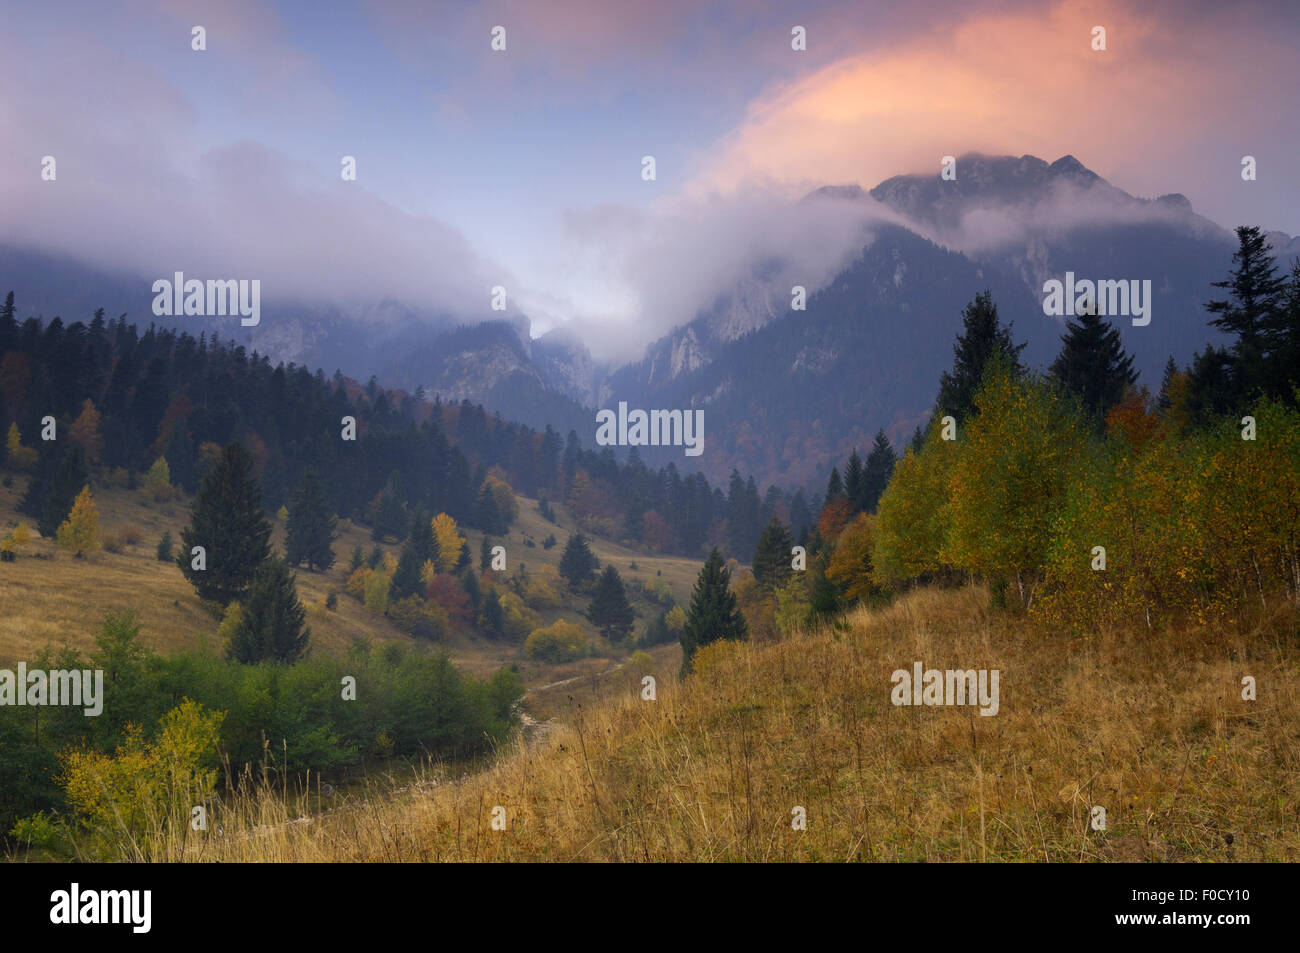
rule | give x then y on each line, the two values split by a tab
332	598
559	642
165	547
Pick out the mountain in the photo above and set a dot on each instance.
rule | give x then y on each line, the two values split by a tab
787	393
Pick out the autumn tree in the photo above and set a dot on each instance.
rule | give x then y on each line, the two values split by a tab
450	542
85	432
79	533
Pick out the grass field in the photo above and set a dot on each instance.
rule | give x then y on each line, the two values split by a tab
1154	730
49	598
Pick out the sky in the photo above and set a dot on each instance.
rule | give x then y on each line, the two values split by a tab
523	168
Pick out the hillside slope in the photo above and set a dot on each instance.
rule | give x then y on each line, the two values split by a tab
1154	731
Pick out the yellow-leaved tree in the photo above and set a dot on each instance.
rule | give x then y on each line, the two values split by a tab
18	456
450	541
85	431
79	533
132	800
1010	480
911	518
158	481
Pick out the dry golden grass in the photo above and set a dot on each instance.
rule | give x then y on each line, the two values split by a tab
1151	728
49	598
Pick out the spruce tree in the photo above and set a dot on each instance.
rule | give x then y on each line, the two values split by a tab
834	487
772	556
824	600
713	614
982	339
227	521
271	619
1252	308
1163	401
59	477
406	577
1093	365
358	559
609	611
855	487
578	564
876	474
492	618
485	554
310	529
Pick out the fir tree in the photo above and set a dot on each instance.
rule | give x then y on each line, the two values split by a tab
578	564
376	557
310	529
713	614
834	487
1163	402
485	554
855	487
824	600
772	557
59	477
609	611
227	521
1093	365
492	618
1252	308
358	559
271	618
982	339
164	552
879	468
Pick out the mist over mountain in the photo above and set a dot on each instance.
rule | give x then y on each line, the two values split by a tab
785	392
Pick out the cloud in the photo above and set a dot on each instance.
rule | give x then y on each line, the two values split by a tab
139	188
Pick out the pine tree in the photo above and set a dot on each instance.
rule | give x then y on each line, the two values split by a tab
982	339
358	559
406	578
578	564
1163	401
310	530
834	487
271	619
879	468
713	614
59	477
227	521
855	482
772	556
492	618
79	533
1252	308
1092	363
609	610
824	601
165	547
